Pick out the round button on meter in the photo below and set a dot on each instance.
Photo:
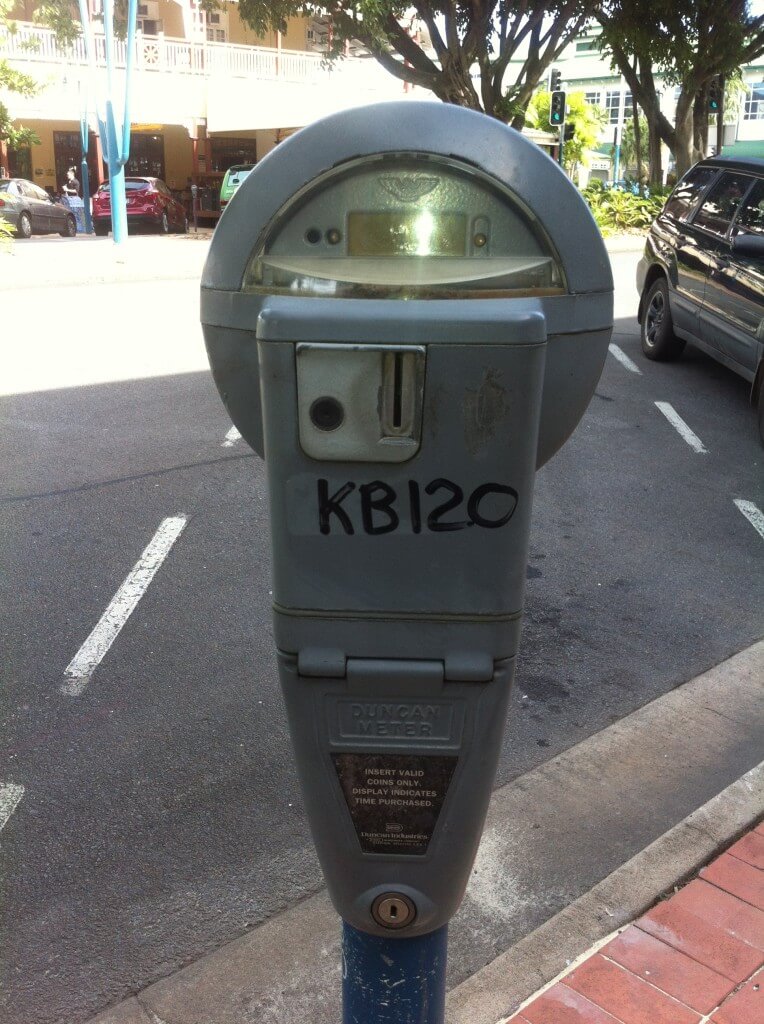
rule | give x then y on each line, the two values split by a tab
326	413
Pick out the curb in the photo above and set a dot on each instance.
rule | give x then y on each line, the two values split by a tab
625	243
537	961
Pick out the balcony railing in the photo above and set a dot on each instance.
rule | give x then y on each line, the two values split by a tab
163	53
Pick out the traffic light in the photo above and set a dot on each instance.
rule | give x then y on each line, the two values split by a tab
570	131
555	80
557	108
714	95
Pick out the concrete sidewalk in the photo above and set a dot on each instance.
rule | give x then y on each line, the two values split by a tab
695	958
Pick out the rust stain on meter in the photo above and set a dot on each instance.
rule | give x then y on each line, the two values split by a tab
394	799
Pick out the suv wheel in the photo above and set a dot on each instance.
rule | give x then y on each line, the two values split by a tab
658	339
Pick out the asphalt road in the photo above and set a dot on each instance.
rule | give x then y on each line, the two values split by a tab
160	814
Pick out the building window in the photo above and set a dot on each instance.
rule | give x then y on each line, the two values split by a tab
146	155
226	152
613	104
592	98
754	103
587	46
20	163
216	35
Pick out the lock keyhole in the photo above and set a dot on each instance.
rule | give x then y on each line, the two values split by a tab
393	910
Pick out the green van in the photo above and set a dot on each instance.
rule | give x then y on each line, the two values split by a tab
232	178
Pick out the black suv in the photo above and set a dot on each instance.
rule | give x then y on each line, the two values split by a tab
701	278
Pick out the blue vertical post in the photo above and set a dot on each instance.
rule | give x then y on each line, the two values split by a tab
393	981
118	142
84	172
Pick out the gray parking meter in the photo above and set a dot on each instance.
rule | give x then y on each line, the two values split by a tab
406	308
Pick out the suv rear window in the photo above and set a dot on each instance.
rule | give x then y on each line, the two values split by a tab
685	195
722	202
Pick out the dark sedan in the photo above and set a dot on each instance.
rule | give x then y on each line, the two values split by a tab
29	210
149	202
701	278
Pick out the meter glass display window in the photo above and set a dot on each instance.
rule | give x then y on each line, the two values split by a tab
405	226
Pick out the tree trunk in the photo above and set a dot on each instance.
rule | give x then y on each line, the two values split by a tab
683	148
637	142
654	154
700	124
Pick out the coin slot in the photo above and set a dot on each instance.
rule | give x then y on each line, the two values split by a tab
399	394
397	389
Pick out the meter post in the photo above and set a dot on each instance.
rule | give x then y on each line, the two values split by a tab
393	981
400	322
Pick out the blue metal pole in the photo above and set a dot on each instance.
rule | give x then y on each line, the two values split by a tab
393	981
84	172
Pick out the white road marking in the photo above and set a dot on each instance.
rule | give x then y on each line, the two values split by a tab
681	427
623	359
86	660
752	513
231	437
10	797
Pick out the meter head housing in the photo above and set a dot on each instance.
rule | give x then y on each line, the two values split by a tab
415	202
406	308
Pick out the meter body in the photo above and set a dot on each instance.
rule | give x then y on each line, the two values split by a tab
406	308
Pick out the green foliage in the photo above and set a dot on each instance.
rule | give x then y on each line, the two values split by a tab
623	210
586	118
13	81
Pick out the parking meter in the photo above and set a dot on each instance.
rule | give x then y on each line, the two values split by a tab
406	308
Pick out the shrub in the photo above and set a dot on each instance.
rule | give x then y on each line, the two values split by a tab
629	207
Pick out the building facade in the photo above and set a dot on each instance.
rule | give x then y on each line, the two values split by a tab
207	94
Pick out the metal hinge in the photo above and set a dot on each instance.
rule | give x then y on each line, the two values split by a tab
332	663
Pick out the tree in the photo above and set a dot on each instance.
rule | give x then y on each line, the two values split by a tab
684	43
13	82
631	143
471	42
586	118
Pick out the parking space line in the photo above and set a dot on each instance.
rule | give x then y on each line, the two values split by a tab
752	513
681	427
623	359
231	438
86	660
10	797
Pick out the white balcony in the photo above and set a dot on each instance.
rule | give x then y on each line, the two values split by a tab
34	45
178	81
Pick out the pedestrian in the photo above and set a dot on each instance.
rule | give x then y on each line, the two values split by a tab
71	186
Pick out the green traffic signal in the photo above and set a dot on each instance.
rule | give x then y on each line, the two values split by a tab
714	96
557	108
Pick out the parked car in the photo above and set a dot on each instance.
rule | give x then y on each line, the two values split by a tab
232	178
31	211
149	201
701	278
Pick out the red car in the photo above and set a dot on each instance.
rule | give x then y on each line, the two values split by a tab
149	201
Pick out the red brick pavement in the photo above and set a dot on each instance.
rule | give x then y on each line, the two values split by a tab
696	958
